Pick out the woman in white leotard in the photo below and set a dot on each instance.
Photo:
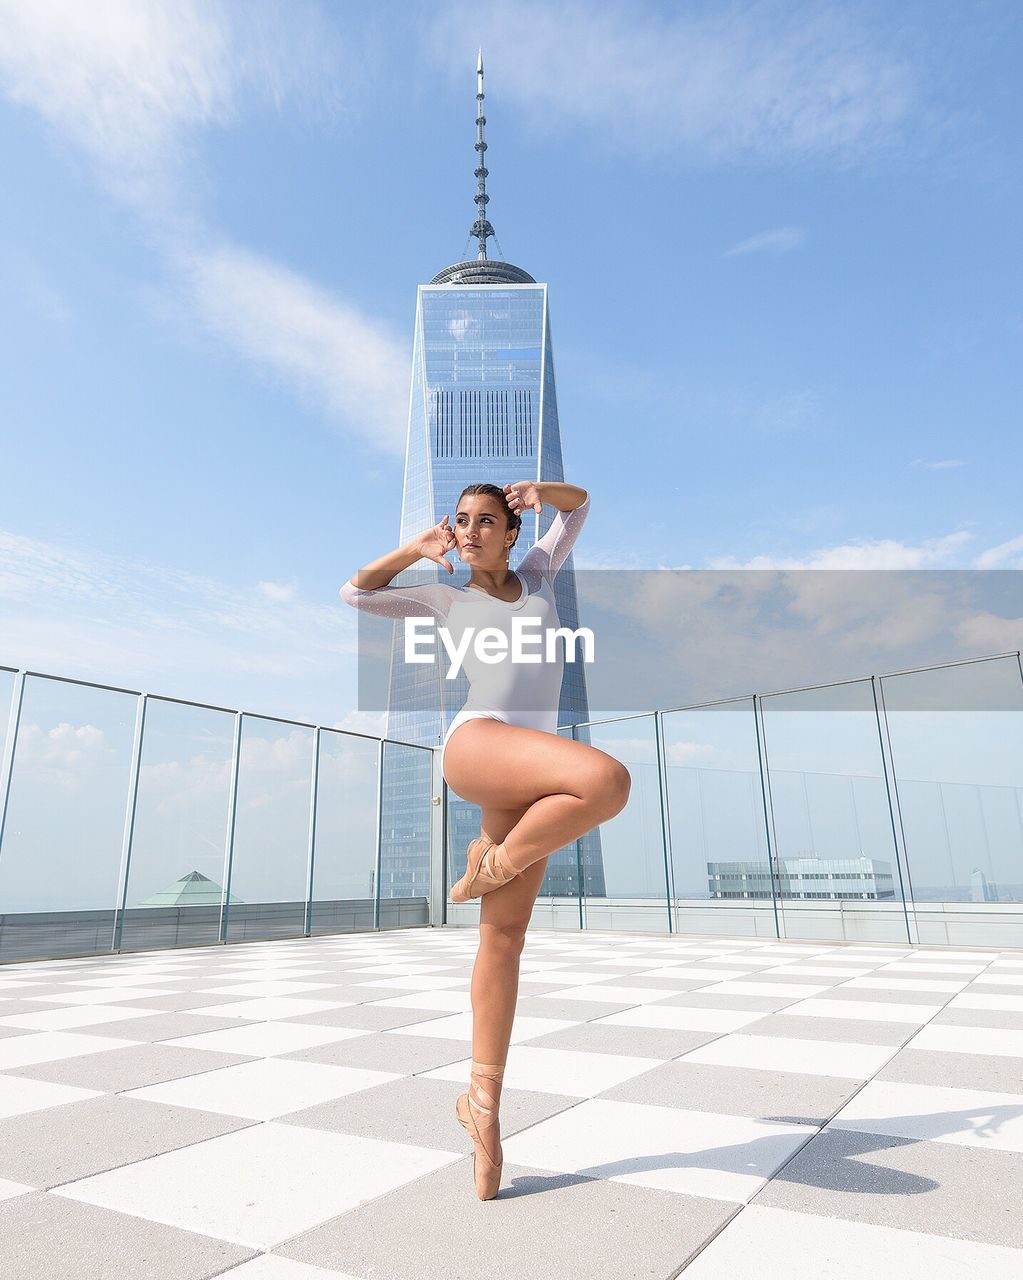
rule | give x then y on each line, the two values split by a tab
537	791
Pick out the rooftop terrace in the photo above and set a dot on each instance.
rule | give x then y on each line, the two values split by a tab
721	1106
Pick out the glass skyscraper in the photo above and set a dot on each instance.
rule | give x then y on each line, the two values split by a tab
483	407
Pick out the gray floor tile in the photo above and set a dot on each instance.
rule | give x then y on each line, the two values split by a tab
980	1018
362	1017
114	1070
997	1073
944	1188
886	995
52	1238
177	1002
164	1026
854	1030
385	1051
640	1042
725	1000
559	1226
62	1143
573	1010
422	1112
786	1096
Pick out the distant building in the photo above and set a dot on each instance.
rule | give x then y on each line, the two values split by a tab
869	879
483	407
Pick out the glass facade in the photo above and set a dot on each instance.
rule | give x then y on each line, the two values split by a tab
483	407
880	810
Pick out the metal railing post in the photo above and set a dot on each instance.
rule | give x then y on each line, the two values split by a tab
232	811
380	820
894	809
437	899
662	783
7	765
313	793
117	934
773	866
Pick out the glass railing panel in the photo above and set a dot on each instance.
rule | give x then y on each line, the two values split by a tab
956	737
404	886
178	856
836	868
60	862
624	870
721	874
7	683
267	884
344	857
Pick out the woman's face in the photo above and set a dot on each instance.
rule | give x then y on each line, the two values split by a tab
481	530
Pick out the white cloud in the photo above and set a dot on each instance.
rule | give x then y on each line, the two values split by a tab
713	83
1007	555
881	553
941	464
780	240
350	366
133	84
123	621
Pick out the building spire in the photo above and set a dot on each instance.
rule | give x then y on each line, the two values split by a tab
481	228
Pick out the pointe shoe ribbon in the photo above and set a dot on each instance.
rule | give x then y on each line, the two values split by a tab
477	1114
486	868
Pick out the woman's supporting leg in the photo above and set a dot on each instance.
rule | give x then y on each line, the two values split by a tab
504	917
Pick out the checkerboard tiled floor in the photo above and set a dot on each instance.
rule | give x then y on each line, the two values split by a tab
285	1111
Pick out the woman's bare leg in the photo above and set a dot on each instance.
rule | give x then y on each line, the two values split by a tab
562	788
504	917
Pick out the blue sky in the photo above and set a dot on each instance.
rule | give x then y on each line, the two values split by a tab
782	242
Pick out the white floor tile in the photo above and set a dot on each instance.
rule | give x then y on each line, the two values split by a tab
575	1073
922	968
999	1041
76	1016
972	1000
680	1018
421	982
877	982
867	1010
268	1007
816	970
49	1046
933	1113
260	1185
777	1244
109	995
703	974
782	1053
264	1089
459	1027
8	1190
275	987
451	1001
272	1266
610	995
19	1095
1003	977
696	1152
766	988
264	1039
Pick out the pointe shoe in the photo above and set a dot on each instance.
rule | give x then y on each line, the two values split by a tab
486	868
476	1112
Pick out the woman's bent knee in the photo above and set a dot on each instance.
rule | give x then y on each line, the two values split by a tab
612	786
509	939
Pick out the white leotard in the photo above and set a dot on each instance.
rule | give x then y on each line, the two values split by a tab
516	693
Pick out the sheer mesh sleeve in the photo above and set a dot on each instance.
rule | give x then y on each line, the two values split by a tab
431	599
551	551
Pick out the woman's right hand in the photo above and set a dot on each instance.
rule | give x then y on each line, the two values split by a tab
435	543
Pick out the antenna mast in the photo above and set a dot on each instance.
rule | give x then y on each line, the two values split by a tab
481	228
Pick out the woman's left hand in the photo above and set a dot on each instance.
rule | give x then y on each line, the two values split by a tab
522	495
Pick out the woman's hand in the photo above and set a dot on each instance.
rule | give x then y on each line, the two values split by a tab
435	543
522	495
